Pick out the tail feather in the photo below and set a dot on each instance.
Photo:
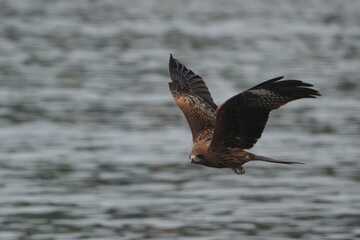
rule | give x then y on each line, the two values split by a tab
266	159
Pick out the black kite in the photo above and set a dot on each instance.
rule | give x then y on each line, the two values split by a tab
221	133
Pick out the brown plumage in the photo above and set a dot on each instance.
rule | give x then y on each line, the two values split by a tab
221	133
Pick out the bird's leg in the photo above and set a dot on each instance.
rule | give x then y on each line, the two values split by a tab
238	170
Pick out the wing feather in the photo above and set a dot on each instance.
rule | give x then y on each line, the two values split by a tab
192	97
185	80
241	120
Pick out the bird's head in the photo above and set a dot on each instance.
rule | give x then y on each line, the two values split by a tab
197	159
199	154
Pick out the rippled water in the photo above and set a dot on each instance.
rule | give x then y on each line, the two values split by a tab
93	147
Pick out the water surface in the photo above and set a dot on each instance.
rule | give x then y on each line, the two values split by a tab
93	147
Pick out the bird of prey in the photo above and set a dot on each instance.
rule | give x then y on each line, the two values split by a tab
220	134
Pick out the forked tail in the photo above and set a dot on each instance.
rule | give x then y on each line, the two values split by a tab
254	157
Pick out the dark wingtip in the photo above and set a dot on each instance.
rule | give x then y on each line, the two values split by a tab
275	79
298	163
178	74
268	82
172	62
295	87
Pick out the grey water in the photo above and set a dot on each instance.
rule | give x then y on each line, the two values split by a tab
92	145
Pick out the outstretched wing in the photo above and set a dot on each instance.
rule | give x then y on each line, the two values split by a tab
241	120
192	96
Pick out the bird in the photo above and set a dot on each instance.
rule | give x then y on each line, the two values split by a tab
221	134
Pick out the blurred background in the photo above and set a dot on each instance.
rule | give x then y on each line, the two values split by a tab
93	146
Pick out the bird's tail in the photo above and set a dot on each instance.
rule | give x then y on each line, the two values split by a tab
254	157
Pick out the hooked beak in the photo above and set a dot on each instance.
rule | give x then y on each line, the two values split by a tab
193	159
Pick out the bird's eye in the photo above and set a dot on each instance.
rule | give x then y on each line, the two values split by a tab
200	156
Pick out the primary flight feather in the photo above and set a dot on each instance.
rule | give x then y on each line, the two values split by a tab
220	134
